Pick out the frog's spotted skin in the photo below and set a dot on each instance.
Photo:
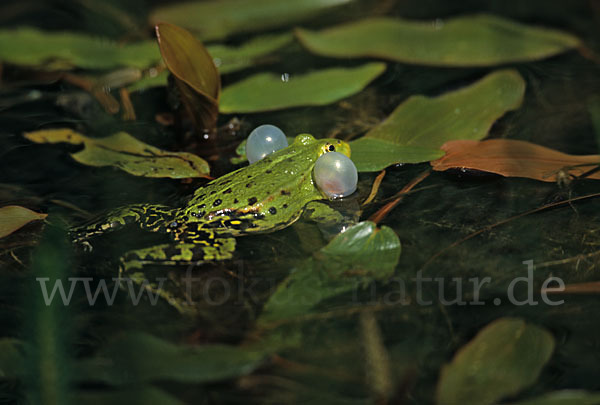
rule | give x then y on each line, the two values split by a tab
263	197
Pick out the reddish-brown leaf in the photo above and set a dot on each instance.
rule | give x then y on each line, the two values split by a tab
195	73
513	158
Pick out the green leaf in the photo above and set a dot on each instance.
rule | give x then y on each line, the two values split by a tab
195	73
11	358
477	40
216	19
146	395
13	217
233	58
123	151
51	50
419	126
136	357
358	256
565	397
505	357
268	92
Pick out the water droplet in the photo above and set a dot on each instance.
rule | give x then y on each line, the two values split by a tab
285	77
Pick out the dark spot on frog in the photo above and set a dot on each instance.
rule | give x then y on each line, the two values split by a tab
249	176
217	202
235	201
285	205
259	215
285	192
331	148
248	185
268	171
227	191
252	201
273	210
213	192
202	206
198	214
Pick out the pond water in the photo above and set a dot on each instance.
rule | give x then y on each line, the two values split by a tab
385	336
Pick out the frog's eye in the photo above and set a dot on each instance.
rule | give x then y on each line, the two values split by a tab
263	141
335	175
331	148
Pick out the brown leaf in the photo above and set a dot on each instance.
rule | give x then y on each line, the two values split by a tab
13	217
513	158
195	73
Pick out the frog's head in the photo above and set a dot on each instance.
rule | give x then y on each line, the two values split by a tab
323	146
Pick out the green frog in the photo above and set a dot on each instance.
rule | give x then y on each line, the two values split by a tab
266	196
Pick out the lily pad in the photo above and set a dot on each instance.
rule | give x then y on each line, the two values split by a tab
360	255
216	19
123	151
137	357
418	127
195	73
268	91
477	40
50	50
505	357
14	217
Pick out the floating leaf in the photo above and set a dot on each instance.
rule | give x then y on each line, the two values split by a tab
513	158
361	254
233	58
195	73
419	126
565	397
136	358
127	153
267	91
13	217
505	357
216	19
478	40
50	50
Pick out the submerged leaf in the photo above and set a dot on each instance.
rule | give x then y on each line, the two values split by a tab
479	40
564	397
418	127
216	19
146	395
137	357
195	73
505	357
50	50
11	357
267	91
362	254
127	153
13	217
514	158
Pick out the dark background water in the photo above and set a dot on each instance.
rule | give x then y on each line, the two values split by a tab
329	366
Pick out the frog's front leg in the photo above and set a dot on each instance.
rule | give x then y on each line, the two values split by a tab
320	212
202	247
148	216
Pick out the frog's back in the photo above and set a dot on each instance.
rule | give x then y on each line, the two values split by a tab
266	195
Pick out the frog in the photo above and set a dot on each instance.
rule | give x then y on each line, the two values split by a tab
265	196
